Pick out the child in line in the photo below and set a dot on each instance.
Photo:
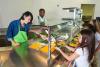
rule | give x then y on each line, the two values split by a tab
83	54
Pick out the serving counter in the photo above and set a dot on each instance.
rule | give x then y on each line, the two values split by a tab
42	50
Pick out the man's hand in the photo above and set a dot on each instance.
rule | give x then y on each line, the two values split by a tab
44	37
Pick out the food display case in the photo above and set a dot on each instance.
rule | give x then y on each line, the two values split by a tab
57	35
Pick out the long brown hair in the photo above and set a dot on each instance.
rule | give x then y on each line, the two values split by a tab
97	26
88	40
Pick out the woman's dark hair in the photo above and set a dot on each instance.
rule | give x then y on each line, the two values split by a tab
98	19
97	26
92	28
27	13
88	40
94	24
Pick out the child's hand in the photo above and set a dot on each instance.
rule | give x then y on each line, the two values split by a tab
57	48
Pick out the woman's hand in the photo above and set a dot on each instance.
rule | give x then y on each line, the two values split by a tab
15	44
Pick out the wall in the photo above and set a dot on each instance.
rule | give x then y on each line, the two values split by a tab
54	8
12	9
97	8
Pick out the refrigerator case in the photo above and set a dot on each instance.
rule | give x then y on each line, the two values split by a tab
58	35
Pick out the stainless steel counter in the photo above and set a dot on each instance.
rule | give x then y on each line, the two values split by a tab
11	59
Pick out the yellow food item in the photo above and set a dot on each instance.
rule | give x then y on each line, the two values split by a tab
52	49
61	43
35	45
45	48
40	47
75	39
73	45
78	34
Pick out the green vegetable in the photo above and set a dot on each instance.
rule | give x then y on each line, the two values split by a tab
42	41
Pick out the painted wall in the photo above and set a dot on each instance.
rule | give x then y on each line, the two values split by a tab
12	9
97	8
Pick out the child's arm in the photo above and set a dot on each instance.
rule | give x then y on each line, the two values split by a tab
69	58
70	48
